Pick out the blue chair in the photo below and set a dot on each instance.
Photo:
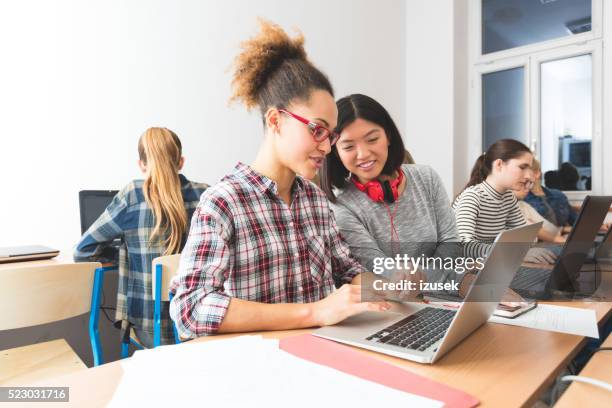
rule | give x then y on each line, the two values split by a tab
32	295
164	269
95	316
128	338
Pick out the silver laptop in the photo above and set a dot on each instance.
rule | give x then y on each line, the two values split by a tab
26	253
424	333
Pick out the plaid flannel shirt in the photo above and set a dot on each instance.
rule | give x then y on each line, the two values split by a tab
246	242
129	218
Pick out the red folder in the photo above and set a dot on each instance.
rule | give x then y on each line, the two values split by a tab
350	361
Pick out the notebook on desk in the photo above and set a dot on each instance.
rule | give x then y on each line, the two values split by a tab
26	253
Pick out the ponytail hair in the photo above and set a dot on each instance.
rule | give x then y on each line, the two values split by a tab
160	149
504	149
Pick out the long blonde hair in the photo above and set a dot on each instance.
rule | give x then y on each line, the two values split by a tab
537	183
160	150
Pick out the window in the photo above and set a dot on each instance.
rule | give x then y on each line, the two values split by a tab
566	131
503	106
536	77
514	23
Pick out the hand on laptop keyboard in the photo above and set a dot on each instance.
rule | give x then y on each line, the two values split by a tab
540	255
343	303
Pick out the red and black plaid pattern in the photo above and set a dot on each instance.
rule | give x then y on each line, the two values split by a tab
246	242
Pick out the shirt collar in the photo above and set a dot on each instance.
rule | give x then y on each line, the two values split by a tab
183	180
263	183
491	191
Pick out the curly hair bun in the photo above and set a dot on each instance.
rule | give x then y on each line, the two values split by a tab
272	70
260	57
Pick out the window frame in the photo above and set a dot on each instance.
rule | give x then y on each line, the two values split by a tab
595	49
530	57
476	136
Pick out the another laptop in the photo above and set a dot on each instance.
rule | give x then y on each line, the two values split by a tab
26	253
598	263
539	283
92	204
603	253
424	333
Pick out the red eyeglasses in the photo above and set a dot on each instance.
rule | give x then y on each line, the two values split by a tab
319	133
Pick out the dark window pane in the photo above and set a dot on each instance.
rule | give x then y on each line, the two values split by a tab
513	23
503	106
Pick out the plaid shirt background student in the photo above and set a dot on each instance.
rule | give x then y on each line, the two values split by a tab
130	218
246	242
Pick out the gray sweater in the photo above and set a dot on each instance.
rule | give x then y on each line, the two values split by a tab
423	220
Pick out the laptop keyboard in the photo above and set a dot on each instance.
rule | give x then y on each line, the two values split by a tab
417	331
527	278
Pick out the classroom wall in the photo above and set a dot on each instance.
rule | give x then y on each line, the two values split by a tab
462	49
430	85
80	80
607	100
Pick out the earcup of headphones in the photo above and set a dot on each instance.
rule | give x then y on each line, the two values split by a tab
375	191
380	191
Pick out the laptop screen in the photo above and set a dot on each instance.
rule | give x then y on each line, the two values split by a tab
92	204
580	241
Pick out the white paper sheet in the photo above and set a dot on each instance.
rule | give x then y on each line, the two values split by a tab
245	371
561	319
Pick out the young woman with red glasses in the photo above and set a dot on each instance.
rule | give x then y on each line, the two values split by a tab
264	249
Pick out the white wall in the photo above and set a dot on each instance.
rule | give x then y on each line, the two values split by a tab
80	80
463	48
607	99
430	85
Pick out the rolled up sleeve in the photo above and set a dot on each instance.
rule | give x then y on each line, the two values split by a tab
200	302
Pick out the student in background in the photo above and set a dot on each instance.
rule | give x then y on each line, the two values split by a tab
264	248
549	231
487	205
151	217
383	207
550	203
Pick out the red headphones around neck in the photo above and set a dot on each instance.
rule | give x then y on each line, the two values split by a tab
381	191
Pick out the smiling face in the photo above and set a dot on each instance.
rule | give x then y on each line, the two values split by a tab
512	174
363	148
294	143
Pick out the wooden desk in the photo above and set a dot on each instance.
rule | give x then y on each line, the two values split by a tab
599	368
500	365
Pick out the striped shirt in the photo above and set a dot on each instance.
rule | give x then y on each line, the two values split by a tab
246	242
482	213
130	218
